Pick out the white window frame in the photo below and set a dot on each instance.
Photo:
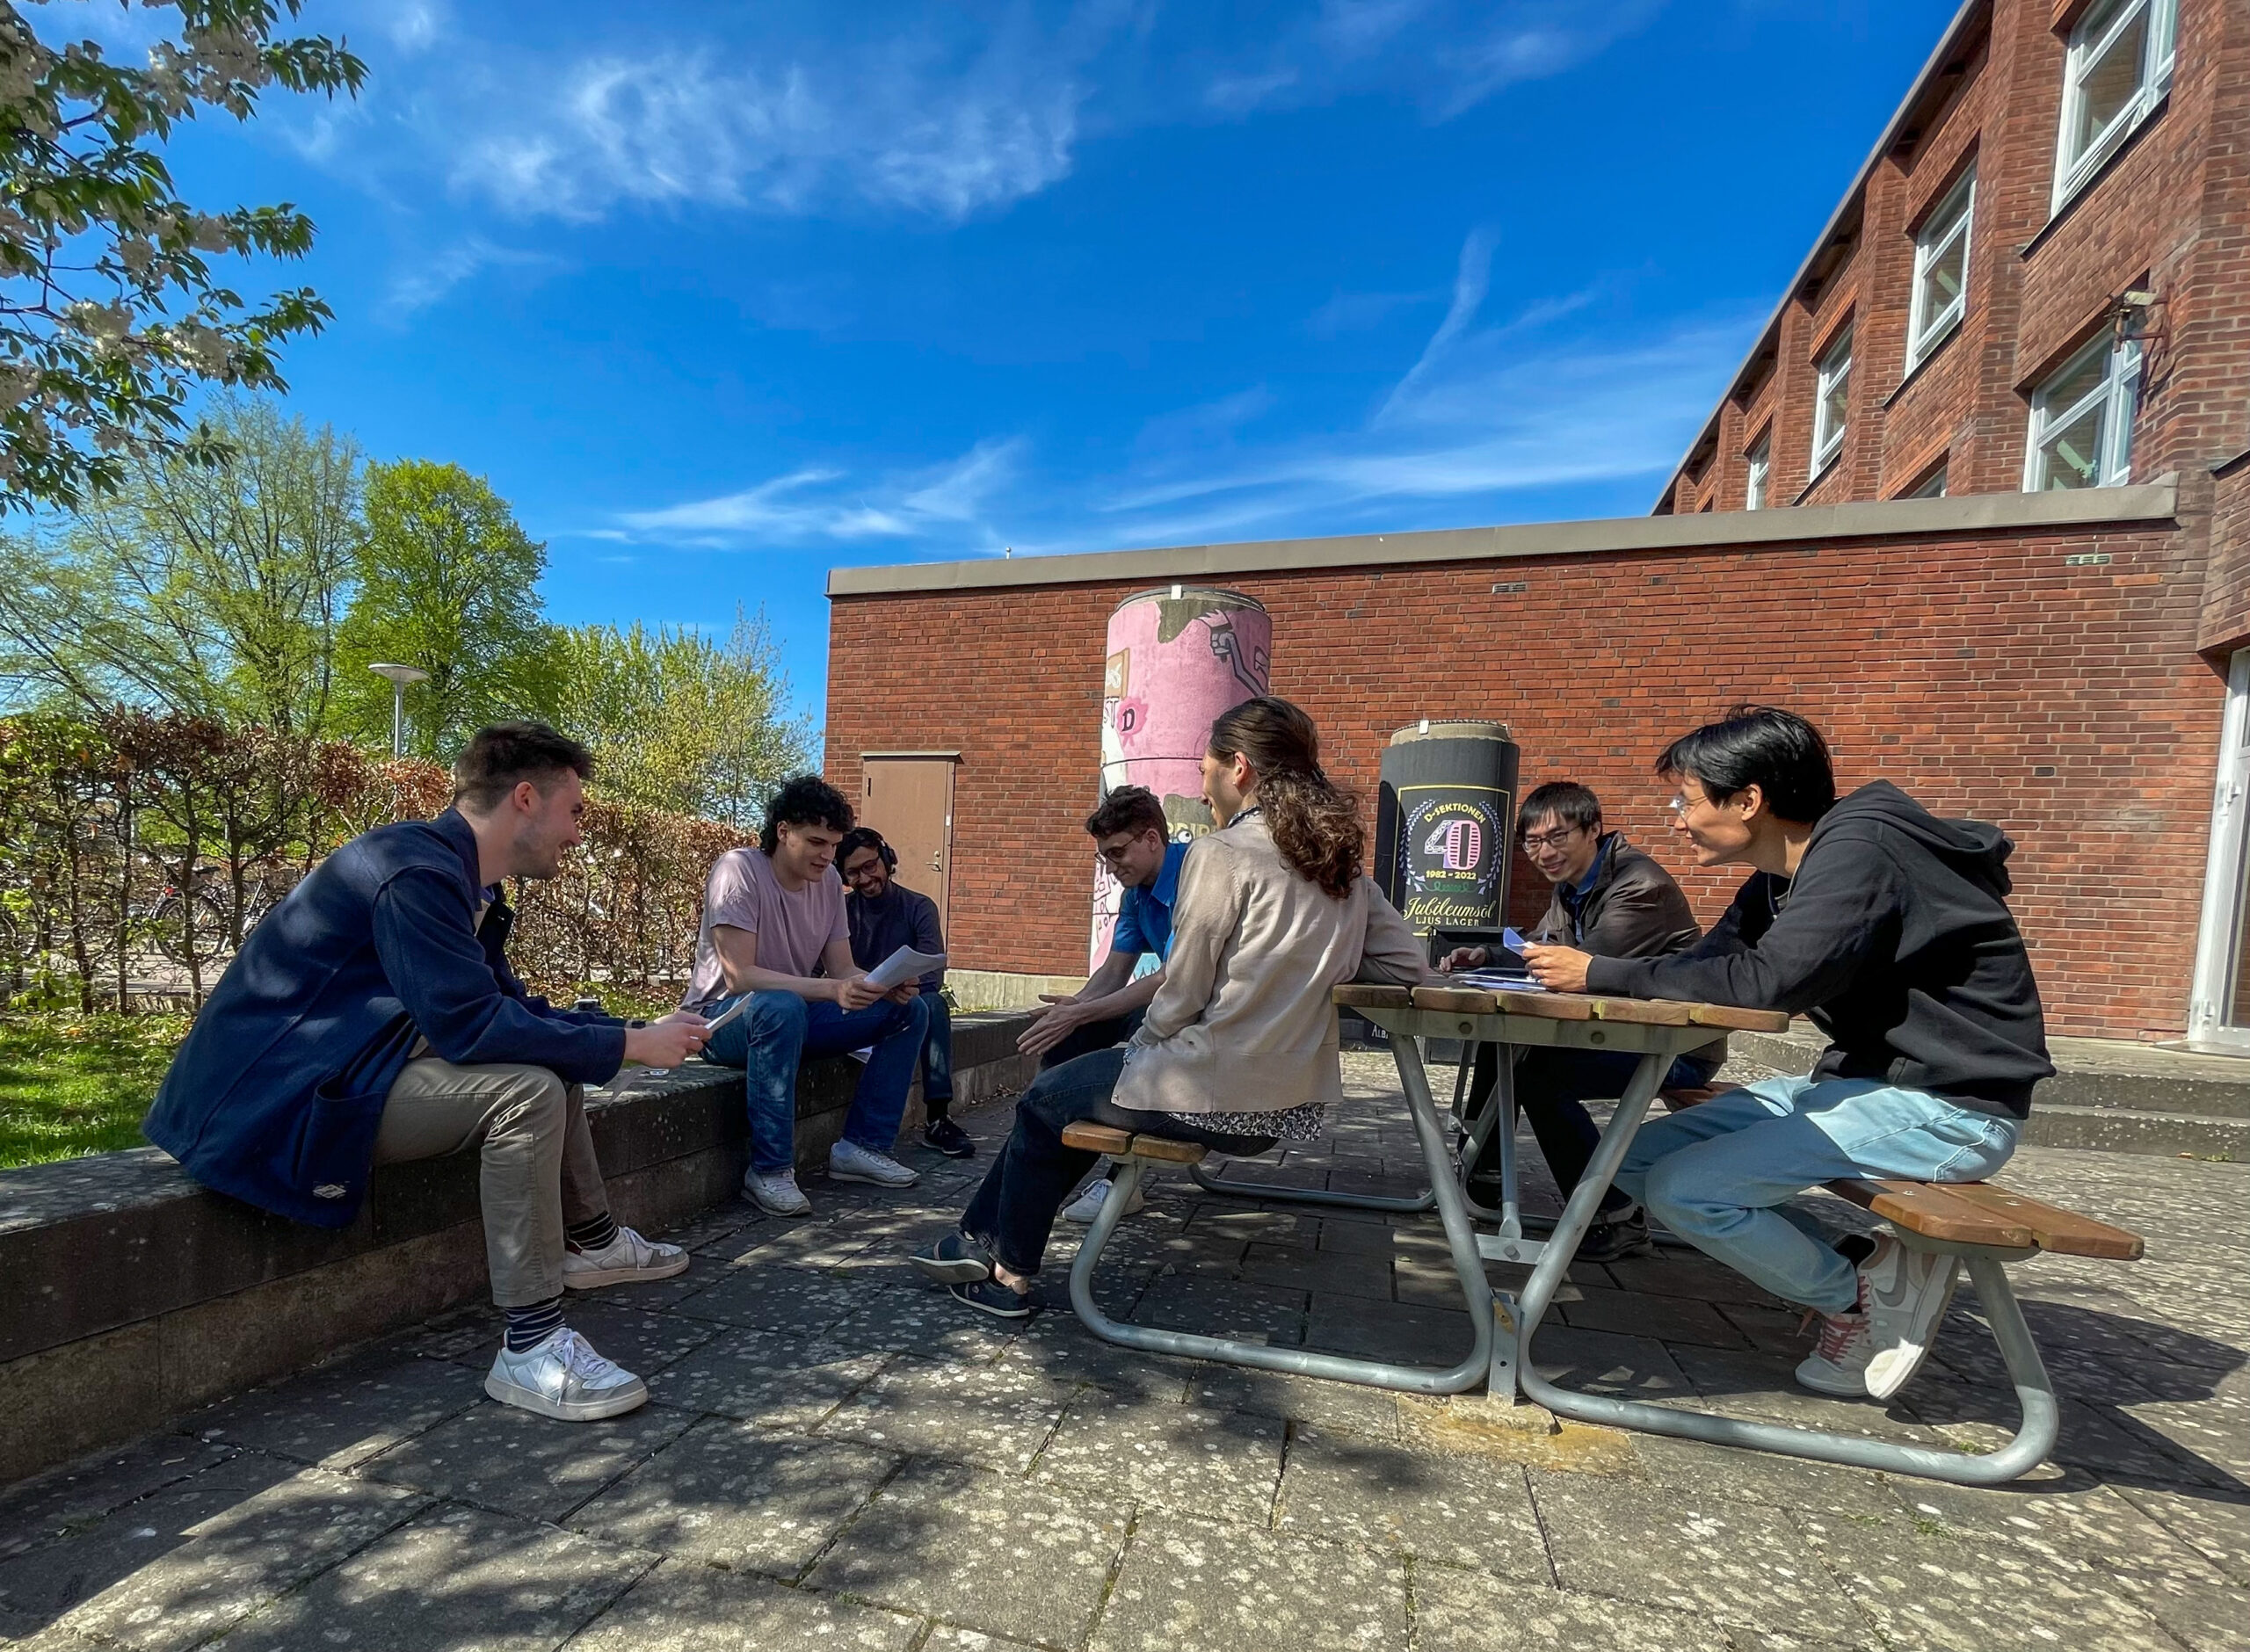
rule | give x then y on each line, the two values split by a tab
2097	29
1834	365
1949	221
2119	387
1758	463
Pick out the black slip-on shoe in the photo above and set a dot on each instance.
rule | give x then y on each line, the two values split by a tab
990	1296
1615	1241
955	1260
943	1136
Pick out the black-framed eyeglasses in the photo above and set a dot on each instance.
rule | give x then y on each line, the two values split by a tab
1115	853
1534	842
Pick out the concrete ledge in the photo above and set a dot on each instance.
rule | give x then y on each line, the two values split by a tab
129	1293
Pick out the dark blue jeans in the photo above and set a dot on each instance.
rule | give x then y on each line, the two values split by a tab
1013	1211
772	1038
1552	1087
936	1055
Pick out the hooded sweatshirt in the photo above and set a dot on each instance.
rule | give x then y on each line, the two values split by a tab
1895	938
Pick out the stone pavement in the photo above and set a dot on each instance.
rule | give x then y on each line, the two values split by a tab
836	1457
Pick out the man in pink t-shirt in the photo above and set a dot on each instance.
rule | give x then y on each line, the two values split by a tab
773	931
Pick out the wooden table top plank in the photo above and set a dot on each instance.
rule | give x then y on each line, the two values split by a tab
1740	1019
1373	996
1096	1138
1559	1006
1935	1213
1644	1011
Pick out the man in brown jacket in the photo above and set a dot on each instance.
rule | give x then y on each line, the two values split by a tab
1611	899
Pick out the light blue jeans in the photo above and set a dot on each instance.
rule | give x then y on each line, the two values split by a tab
1716	1173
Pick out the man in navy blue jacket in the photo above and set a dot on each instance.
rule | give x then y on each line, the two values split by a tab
373	1017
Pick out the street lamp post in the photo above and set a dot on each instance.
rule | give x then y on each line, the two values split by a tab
400	676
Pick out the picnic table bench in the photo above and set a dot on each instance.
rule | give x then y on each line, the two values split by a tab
1986	1226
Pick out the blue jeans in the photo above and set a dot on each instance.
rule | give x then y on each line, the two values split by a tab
769	1040
1013	1211
1552	1086
1714	1173
936	1055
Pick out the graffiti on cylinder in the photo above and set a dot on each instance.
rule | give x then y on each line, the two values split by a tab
1176	659
1449	863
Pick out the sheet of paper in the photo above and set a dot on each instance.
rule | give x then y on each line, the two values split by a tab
1495	981
904	966
734	1010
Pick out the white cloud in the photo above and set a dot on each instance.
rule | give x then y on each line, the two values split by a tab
428	278
1470	280
945	503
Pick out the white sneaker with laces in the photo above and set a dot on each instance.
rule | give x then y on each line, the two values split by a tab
849	1162
564	1378
777	1194
1087	1205
1838	1365
625	1259
1905	1293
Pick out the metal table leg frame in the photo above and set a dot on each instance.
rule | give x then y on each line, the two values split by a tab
1461	1239
2034	1392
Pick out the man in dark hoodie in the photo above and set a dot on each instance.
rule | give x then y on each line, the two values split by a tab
1610	899
1888	927
373	1017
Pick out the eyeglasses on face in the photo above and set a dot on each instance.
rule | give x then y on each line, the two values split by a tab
1534	842
1115	853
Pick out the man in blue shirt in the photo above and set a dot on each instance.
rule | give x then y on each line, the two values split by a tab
884	914
1131	836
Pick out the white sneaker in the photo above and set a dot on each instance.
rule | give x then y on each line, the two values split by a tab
849	1162
626	1259
1087	1205
564	1378
1905	1293
1837	1366
777	1194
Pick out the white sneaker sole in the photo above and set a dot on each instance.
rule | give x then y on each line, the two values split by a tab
773	1207
615	1402
872	1178
1821	1381
594	1279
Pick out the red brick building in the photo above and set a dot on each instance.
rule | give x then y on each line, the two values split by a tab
1978	502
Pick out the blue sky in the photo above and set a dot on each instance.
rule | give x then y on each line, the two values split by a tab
722	296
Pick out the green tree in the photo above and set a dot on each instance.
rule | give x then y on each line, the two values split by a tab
209	591
448	583
110	313
681	722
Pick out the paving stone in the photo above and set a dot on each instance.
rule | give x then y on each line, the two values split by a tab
1764	1388
468	1337
800	1301
1710	1553
39	1511
1692	1467
1059	1348
2055	1512
176	1568
1939	1591
926	1321
342	1417
2204	1615
456	1577
2216	1524
738	1496
982	1552
995	1417
1346	1406
1605	1363
642	1341
945	1638
1396	1331
687	1607
766	1377
2105	1442
1683	1273
1222	1465
1187	1586
1267	1314
500	1458
1297	1268
1473	1612
1459	1510
1670	1319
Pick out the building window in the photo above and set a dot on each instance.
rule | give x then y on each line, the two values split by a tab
1829	404
1941	272
1760	459
1930	487
2082	419
2118	69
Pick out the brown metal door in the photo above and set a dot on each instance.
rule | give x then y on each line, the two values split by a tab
909	800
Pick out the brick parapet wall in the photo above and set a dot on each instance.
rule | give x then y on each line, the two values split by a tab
1985	674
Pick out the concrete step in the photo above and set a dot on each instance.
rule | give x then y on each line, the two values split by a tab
2138	1130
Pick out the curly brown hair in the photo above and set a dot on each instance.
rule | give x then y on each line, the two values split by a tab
1315	823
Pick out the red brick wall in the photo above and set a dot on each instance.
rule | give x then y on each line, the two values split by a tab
1982	674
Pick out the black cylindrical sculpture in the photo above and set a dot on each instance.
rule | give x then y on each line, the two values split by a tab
1445	825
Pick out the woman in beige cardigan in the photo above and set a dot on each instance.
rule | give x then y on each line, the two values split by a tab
1238	1050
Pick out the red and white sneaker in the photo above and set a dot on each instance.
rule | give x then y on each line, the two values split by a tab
1905	1293
1838	1364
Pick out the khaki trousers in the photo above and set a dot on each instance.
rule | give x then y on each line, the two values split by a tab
539	1170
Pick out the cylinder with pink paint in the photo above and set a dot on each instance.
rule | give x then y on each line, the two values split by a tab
1177	658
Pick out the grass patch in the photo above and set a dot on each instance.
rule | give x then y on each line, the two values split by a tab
73	1083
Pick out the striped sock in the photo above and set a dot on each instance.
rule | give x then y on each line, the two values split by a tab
593	1234
528	1327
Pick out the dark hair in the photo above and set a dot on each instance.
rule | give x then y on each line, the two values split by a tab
1568	801
499	758
1777	751
1128	809
807	800
865	837
1315	823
